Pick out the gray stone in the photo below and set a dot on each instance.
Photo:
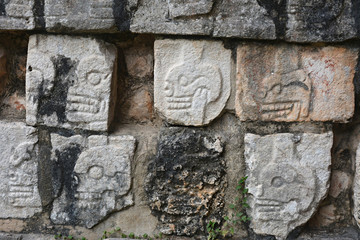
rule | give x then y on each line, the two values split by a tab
97	177
85	15
19	192
192	80
70	82
356	188
288	176
17	15
185	183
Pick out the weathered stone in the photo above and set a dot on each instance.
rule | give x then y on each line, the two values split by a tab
340	182
19	192
96	177
288	175
356	188
3	70
192	80
17	15
64	15
289	82
139	61
325	216
140	106
70	82
185	183
318	21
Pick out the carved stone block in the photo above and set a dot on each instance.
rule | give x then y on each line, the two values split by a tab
19	192
185	183
95	177
64	15
70	82
179	8
288	175
356	188
17	15
192	80
289	83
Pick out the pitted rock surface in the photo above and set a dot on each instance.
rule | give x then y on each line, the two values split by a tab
70	82
93	177
288	176
19	192
291	83
192	80
17	14
185	184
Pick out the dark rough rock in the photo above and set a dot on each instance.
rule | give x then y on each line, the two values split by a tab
185	184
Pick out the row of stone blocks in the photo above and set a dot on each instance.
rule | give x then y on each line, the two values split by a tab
293	20
70	83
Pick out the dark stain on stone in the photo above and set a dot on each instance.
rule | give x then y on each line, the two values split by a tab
2	8
38	11
356	14
185	183
53	99
121	15
64	175
277	11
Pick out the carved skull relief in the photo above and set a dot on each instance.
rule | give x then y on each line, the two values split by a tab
288	175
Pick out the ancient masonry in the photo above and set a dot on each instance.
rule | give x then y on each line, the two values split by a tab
144	115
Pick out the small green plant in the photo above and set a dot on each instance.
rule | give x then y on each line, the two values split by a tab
237	217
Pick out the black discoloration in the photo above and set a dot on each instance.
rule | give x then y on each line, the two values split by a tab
356	15
277	11
38	11
53	99
64	175
121	15
186	180
2	8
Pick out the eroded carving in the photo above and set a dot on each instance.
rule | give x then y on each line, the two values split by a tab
71	89
285	183
18	170
180	8
186	181
99	181
17	14
195	88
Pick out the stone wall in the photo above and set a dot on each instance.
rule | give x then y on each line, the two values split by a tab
144	115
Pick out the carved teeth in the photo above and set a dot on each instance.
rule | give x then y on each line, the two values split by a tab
179	103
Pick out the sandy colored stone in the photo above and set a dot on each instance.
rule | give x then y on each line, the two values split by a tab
288	176
340	181
139	61
70	82
17	15
287	82
140	106
325	216
192	80
97	178
19	192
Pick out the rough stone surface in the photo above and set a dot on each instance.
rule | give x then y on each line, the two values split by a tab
64	15
139	61
288	175
3	70
70	82
192	80
185	182
356	188
19	192
96	177
295	83
17	14
340	182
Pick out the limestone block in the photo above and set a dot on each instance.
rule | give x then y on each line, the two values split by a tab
3	70
80	15
19	192
17	15
96	177
317	21
185	183
192	80
288	175
70	82
290	83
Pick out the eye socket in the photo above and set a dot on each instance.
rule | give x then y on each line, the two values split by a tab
277	182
